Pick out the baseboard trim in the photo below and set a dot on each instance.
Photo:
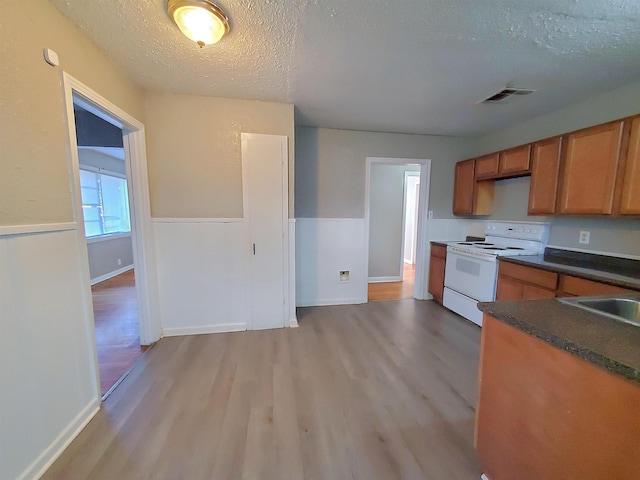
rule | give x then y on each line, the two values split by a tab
41	464
396	278
329	302
39	228
205	329
293	322
109	275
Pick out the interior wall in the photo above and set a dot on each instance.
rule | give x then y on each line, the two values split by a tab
195	162
109	256
609	235
386	221
48	385
34	186
331	164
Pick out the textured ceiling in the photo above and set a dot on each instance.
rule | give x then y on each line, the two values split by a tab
411	66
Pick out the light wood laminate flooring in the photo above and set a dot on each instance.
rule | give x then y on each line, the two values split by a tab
384	390
394	290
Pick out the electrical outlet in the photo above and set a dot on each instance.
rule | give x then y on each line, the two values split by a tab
344	275
119	262
585	237
430	214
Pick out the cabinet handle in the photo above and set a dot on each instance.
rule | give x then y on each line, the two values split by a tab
254	248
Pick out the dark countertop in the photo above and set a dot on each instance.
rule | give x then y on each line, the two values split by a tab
440	244
538	261
600	340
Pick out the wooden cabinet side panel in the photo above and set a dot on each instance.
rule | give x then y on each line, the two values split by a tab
590	168
545	414
580	287
436	277
515	160
464	188
630	202
545	171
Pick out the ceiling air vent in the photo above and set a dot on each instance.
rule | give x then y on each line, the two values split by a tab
504	94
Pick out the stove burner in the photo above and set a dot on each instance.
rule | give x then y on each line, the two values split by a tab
465	243
493	248
514	248
482	243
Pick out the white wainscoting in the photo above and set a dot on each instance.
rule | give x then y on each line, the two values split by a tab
324	247
49	384
202	276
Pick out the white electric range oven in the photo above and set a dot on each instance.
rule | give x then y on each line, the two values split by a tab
471	270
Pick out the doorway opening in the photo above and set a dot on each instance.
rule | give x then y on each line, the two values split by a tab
108	232
396	199
111	207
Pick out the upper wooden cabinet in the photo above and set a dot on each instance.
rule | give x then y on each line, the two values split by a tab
590	168
513	162
471	197
630	199
545	170
487	166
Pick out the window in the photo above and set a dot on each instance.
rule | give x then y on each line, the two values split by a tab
105	203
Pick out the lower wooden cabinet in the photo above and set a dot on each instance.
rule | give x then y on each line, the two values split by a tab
570	286
517	282
437	263
543	413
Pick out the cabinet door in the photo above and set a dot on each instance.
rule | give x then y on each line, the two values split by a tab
436	277
630	203
529	292
509	289
487	166
515	161
545	169
463	188
590	168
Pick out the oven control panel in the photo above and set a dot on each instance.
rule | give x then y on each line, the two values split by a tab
536	231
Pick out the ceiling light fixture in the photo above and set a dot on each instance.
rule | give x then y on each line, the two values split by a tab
200	20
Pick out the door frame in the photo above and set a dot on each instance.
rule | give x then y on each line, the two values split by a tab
139	205
419	290
287	268
414	242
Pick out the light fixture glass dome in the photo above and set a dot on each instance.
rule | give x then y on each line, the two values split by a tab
200	20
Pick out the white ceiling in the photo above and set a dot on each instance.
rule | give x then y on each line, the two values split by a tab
410	66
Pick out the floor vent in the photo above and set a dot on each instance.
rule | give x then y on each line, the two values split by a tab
506	93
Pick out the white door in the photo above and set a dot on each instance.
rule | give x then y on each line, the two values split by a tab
264	169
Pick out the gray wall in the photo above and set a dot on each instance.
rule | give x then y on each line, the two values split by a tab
104	255
330	168
511	196
385	219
